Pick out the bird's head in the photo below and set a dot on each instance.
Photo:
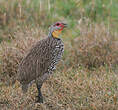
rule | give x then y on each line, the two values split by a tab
56	29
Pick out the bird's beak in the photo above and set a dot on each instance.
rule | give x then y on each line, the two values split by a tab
65	25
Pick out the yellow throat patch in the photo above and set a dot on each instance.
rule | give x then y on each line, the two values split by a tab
56	33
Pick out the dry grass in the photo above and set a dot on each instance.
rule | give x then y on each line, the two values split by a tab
95	46
68	90
73	86
13	52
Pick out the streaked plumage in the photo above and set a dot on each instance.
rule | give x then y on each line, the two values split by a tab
41	60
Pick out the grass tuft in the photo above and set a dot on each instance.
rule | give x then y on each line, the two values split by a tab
12	53
94	47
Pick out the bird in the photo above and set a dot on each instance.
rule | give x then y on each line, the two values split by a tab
41	60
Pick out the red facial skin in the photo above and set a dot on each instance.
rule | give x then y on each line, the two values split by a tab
60	25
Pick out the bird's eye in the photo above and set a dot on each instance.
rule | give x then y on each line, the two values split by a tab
57	24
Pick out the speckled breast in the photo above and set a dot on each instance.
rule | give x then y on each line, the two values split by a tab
56	54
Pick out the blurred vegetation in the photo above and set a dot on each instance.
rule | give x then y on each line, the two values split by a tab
44	12
90	59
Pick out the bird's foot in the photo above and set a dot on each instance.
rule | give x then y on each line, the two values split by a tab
39	99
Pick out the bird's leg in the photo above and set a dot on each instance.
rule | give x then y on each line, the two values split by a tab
39	83
40	97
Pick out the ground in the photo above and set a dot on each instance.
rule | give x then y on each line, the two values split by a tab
66	91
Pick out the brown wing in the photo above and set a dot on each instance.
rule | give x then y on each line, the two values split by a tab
35	63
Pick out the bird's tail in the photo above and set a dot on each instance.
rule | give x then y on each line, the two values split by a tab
24	88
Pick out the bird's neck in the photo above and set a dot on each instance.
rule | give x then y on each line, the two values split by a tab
51	36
